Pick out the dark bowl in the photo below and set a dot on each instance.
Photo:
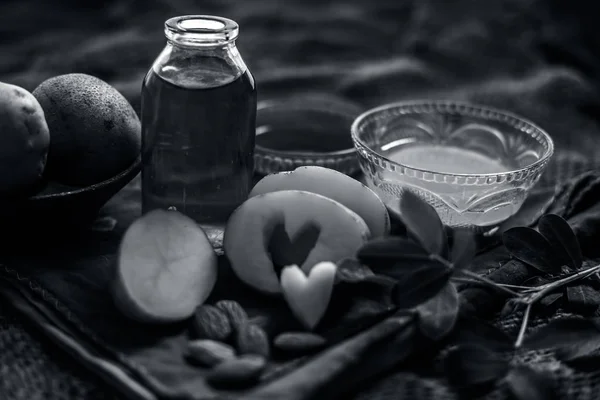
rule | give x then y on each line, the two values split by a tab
65	204
292	133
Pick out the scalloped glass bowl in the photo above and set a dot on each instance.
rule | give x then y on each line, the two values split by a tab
475	165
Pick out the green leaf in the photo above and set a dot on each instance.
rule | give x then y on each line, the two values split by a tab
583	299
376	288
529	246
424	223
551	299
438	315
464	248
418	284
383	253
561	237
525	383
473	365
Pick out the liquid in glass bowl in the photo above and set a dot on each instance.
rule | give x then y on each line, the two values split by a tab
475	165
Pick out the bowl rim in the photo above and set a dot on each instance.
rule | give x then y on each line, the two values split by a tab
359	143
289	104
135	166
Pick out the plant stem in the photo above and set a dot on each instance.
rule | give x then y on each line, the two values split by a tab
475	276
524	324
533	293
549	287
465	280
546	289
506	285
518	287
491	283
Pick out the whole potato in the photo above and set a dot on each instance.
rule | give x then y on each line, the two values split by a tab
24	141
95	131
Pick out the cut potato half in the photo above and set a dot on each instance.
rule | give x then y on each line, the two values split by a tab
255	244
166	268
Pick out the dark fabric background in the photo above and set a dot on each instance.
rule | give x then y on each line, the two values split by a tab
539	58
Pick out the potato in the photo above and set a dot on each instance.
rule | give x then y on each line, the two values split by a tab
24	141
335	185
166	268
253	249
95	132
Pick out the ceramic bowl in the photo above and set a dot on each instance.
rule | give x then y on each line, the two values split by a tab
66	204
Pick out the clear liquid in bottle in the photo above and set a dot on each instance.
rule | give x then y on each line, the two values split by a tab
198	123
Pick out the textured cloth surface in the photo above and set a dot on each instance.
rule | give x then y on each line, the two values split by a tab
33	368
530	56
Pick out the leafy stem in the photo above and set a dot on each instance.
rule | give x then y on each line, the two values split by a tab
478	281
475	276
425	266
543	290
531	295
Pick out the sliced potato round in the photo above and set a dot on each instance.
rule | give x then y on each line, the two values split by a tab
274	229
166	268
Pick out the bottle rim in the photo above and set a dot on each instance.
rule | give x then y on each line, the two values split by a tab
201	30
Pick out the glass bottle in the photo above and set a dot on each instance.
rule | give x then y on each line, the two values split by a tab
198	122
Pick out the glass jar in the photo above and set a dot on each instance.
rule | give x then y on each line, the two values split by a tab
198	122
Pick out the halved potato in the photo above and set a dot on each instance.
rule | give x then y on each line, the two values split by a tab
166	268
254	245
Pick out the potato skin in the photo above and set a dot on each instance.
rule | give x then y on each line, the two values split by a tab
95	131
24	141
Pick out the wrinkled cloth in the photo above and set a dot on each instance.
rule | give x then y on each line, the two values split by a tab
530	57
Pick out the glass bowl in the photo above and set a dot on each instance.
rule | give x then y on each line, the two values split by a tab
292	133
475	165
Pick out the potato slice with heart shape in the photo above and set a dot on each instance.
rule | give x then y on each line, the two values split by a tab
289	226
335	185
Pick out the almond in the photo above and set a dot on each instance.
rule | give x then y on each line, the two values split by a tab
211	323
235	313
208	352
299	342
252	339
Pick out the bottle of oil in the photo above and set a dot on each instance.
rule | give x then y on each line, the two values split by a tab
198	122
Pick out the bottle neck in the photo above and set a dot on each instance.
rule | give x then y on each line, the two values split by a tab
199	66
224	49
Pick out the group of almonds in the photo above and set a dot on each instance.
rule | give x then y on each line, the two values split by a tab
235	349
